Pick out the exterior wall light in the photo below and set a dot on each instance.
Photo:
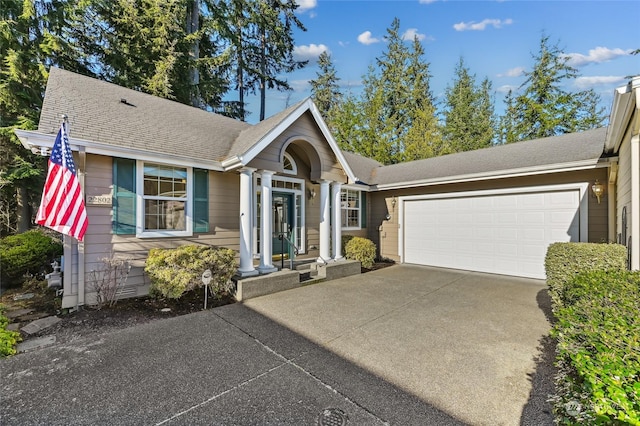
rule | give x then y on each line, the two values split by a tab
312	194
598	190
393	203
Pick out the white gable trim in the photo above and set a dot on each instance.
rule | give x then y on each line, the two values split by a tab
308	105
625	99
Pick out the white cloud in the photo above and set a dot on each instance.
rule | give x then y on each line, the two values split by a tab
309	53
299	85
513	72
304	5
343	43
481	26
427	1
596	56
365	38
506	88
411	34
590	82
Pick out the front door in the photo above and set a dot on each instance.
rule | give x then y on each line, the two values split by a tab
283	223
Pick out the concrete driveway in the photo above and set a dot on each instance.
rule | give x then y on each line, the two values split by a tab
404	345
471	344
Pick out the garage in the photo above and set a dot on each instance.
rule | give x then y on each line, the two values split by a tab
503	232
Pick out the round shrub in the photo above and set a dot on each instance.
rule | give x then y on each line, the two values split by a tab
28	253
173	272
362	250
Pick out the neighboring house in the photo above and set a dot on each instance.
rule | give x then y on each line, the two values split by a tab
157	173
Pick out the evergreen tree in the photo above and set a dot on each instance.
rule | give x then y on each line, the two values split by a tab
546	109
163	47
325	89
275	24
507	121
32	37
396	94
468	114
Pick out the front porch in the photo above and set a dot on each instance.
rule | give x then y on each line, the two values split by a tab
298	274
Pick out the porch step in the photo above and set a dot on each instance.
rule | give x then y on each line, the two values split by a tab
286	279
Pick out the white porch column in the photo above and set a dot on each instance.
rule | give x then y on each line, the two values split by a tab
336	233
325	226
246	268
266	237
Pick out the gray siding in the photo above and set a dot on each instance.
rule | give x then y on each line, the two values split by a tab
623	186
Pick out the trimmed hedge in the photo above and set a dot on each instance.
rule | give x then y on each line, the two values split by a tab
28	253
564	261
598	350
176	271
361	249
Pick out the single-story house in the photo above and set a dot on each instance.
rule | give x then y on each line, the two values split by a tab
157	173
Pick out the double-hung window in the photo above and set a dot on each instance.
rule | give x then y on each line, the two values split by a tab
159	200
350	206
165	201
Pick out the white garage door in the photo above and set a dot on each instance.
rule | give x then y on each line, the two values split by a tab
503	234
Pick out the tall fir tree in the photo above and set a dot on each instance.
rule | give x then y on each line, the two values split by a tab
32	38
396	94
325	88
545	108
468	113
275	23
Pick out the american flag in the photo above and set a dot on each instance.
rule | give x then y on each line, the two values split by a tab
62	207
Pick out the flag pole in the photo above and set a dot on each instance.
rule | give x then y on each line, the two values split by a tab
82	157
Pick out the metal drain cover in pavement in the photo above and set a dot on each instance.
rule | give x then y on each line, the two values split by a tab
332	417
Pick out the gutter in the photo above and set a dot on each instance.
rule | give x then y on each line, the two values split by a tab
528	171
42	143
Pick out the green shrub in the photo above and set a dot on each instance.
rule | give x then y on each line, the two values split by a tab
8	338
28	253
361	249
176	271
344	241
598	350
564	261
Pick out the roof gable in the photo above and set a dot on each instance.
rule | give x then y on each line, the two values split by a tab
106	113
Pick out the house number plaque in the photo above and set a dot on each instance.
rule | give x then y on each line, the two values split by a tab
99	200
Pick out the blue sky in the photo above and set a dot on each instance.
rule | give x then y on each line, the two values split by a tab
495	38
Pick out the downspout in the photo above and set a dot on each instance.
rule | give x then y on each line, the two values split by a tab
611	201
635	203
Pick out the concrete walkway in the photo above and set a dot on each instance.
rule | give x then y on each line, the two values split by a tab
403	345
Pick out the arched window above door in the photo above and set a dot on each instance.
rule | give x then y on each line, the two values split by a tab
289	165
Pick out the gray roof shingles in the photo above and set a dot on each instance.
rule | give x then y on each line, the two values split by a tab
545	152
157	125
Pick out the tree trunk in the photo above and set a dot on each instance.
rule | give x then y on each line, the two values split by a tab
24	214
263	73
193	25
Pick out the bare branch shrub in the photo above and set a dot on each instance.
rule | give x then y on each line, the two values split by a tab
110	276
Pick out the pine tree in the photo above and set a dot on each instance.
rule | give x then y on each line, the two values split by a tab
325	89
32	37
468	114
275	24
396	95
507	121
546	109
